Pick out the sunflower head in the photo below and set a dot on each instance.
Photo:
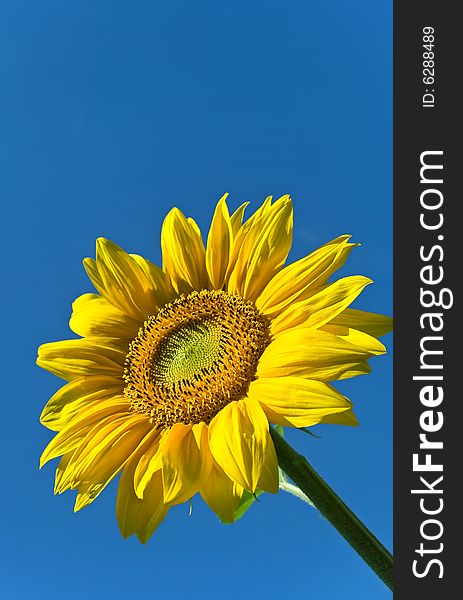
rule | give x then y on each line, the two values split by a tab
195	356
179	371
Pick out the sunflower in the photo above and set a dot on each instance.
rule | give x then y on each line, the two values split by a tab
179	371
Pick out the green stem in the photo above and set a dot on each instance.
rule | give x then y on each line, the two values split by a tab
334	509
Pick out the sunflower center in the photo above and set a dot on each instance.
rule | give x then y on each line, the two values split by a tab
188	351
194	356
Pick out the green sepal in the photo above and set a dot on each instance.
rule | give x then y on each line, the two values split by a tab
247	500
307	430
280	430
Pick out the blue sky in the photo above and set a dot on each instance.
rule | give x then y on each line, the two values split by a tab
110	114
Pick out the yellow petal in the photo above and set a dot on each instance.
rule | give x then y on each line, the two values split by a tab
149	461
371	323
118	300
296	401
125	283
312	354
366	342
185	462
263	209
183	253
236	219
353	370
263	251
70	359
102	458
157	281
135	516
62	478
104	450
221	494
218	244
126	434
304	275
77	395
240	231
91	269
322	306
87	493
238	441
345	418
93	315
268	480
72	434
